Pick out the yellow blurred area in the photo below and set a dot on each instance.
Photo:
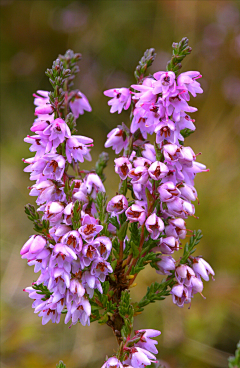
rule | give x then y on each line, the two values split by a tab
112	36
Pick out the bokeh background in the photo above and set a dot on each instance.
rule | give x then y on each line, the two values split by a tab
112	36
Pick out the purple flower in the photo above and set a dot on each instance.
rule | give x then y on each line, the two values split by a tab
77	148
79	312
154	226
168	192
168	245
56	132
165	265
73	239
176	228
180	295
184	274
104	245
89	252
158	170
202	268
51	166
93	184
53	212
100	268
122	167
188	81
136	213
117	204
64	250
89	228
165	83
145	341
139	357
79	104
139	175
76	287
112	362
48	191
121	98
117	139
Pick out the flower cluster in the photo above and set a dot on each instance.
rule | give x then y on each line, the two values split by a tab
160	176
70	253
137	352
90	251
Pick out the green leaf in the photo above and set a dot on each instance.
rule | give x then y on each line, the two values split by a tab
101	165
180	51
61	364
145	62
234	362
42	290
189	247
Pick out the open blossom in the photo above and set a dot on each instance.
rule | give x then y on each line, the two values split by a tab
117	204
146	341
122	167
154	226
117	139
121	99
79	104
139	357
112	362
136	213
77	148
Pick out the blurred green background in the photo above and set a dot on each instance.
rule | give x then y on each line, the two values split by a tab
112	36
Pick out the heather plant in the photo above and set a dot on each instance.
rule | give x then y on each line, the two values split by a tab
88	248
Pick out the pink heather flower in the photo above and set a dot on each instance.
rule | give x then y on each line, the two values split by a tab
93	184
117	204
158	170
145	93
77	148
47	191
77	288
89	253
165	130
168	245
79	312
136	213
168	192
202	268
35	244
188	192
73	240
184	274
165	265
39	144
104	246
117	139
56	132
112	362
43	104
89	228
149	152
100	268
196	285
171	152
180	295
50	166
139	357
53	211
165	83
63	249
154	226
79	104
122	167
139	175
145	341
176	228
188	81
121	98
